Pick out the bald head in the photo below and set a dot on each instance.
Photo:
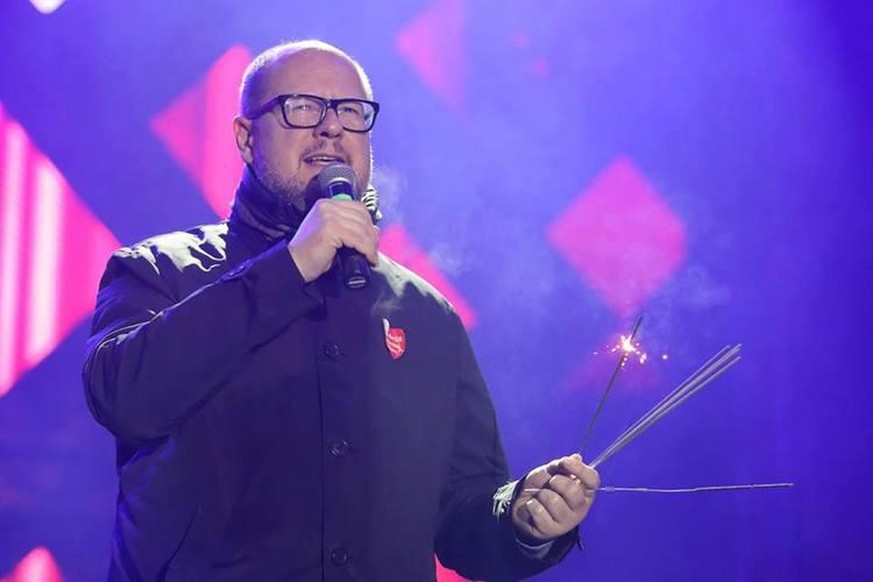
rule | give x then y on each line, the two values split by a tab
255	87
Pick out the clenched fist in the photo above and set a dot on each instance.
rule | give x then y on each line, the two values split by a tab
554	498
329	226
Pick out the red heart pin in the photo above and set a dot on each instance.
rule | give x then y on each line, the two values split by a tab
395	339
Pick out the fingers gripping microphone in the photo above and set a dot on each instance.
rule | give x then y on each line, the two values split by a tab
337	181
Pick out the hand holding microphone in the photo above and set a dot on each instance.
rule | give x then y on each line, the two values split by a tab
337	224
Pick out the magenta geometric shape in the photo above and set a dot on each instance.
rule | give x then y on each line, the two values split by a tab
443	574
52	253
37	566
433	43
621	238
396	243
196	128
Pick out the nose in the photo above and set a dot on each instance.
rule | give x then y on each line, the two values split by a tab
330	126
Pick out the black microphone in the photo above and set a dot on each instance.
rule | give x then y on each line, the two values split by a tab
337	181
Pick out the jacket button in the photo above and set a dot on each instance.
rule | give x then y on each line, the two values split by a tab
339	448
339	556
331	350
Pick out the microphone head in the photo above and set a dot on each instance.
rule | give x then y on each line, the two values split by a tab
338	178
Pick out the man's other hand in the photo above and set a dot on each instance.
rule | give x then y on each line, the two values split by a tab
554	498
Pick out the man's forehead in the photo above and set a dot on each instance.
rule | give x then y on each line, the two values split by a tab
313	70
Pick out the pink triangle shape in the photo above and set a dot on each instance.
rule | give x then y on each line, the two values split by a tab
196	129
434	45
37	566
397	244
180	127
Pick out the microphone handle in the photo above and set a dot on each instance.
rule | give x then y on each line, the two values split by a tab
353	265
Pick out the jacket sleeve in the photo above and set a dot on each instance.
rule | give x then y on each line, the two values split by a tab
476	536
153	359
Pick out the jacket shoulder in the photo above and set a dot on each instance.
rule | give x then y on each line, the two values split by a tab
175	262
202	246
407	283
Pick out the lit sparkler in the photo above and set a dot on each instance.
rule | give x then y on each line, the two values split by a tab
628	347
711	370
629	341
626	344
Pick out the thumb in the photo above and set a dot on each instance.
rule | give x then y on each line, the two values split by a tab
537	477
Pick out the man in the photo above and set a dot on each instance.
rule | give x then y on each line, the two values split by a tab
265	430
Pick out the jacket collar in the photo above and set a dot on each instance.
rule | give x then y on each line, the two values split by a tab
269	217
257	209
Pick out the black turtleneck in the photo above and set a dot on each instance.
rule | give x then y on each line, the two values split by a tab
255	205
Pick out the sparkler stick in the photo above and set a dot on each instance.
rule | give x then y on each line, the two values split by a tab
611	489
621	362
687	389
704	489
702	377
684	390
696	382
672	395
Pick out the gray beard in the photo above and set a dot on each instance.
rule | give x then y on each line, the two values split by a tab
292	191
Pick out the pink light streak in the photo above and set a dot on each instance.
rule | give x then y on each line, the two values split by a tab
52	253
45	226
12	195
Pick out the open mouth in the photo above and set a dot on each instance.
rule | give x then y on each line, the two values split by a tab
324	159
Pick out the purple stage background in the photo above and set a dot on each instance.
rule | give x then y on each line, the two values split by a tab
556	168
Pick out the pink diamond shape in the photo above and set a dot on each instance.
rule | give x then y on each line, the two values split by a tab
397	244
621	238
52	253
196	129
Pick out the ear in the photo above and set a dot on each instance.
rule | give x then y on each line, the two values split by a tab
242	132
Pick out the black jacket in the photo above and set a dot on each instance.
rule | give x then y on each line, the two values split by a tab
264	432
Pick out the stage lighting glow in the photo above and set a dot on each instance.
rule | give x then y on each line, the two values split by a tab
47	6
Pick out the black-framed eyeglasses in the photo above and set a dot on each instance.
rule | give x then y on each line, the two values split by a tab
304	111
